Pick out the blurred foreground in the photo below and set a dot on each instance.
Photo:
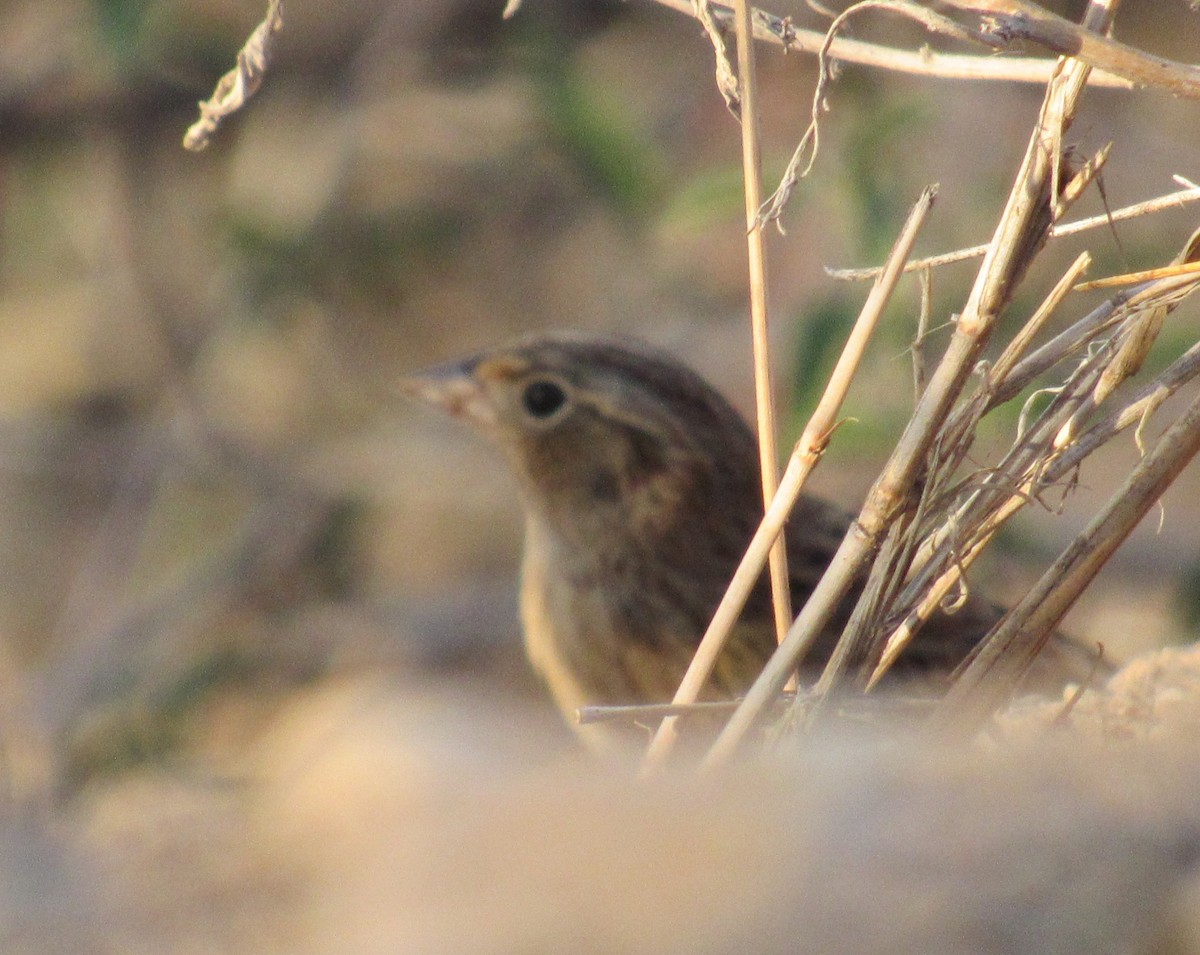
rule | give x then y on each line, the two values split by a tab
367	817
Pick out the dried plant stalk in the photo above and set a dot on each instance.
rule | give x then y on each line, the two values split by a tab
764	386
1011	648
804	458
1057	231
925	62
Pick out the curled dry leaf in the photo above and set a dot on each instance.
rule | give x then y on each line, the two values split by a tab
1135	348
240	83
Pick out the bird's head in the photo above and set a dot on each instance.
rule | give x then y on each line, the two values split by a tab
593	426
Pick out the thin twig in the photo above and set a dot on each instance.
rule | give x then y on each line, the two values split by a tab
1164	291
1010	21
919	359
1035	463
805	154
956	439
1145	275
1020	234
1058	231
650	712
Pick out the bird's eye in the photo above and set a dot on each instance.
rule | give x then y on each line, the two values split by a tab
543	398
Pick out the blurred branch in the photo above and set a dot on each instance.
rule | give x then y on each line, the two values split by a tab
1006	21
924	62
240	83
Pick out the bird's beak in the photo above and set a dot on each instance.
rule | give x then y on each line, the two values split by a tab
456	389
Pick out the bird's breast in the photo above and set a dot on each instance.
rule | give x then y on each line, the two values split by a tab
600	630
547	631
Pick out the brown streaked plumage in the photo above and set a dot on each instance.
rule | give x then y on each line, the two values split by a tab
640	488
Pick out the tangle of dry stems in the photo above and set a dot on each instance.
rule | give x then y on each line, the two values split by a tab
919	537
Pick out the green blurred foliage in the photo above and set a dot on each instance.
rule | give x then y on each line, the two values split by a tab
592	127
345	257
821	336
137	729
121	25
1188	599
874	160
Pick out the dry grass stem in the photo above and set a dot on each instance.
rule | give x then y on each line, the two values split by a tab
1135	411
1004	23
1166	291
805	154
1022	230
1058	231
932	511
1009	21
649	713
1010	649
1134	278
764	387
240	83
850	557
955	441
1137	345
919	359
1020	343
930	63
804	458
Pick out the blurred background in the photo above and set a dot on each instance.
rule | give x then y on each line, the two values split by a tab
211	495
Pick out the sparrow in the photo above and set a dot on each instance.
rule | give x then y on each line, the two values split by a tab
641	490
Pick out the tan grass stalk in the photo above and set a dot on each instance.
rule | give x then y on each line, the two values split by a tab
1057	231
1038	461
764	386
925	62
240	83
957	435
805	456
1014	21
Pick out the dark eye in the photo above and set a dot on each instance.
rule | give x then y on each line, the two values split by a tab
543	398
